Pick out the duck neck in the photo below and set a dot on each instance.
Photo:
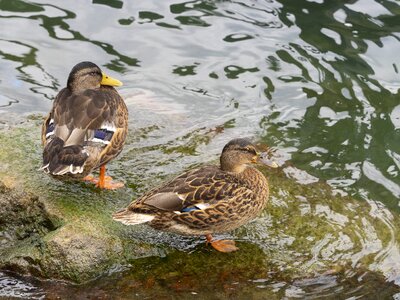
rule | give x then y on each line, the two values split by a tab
236	169
230	164
254	180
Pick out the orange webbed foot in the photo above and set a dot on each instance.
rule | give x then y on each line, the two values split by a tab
104	182
108	184
91	178
225	246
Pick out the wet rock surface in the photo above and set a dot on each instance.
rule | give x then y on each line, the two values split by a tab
309	237
24	221
44	231
36	241
23	215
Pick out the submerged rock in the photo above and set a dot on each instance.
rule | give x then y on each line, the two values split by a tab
60	230
47	231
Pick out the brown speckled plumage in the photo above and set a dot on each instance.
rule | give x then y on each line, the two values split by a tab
207	200
81	111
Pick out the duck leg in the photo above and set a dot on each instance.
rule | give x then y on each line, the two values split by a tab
222	245
104	182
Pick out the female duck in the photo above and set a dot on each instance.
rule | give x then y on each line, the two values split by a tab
86	127
207	200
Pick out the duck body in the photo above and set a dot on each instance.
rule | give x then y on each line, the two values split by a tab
86	127
207	200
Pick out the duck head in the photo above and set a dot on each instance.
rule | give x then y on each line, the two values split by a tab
87	75
238	154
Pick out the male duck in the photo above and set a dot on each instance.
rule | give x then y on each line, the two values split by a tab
207	200
86	127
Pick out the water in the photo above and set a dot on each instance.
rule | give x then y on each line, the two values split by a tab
317	80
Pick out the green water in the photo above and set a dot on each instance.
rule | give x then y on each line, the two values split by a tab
317	80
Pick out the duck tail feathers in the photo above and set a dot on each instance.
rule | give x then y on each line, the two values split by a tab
128	217
60	160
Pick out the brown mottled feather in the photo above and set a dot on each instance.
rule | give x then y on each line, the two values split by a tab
233	200
76	116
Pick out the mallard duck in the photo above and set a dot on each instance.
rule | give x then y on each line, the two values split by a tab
86	126
206	200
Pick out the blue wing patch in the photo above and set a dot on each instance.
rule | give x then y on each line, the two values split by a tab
103	134
190	208
50	128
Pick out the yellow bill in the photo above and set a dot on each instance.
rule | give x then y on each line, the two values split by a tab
107	80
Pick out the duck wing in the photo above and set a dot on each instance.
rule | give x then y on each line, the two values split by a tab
75	116
75	121
194	190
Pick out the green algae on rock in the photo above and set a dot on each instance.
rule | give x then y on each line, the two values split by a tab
45	229
65	231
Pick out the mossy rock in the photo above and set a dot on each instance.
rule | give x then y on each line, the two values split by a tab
63	230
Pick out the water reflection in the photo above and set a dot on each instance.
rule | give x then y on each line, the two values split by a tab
111	3
29	71
17	288
350	116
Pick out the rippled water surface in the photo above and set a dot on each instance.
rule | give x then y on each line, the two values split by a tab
317	80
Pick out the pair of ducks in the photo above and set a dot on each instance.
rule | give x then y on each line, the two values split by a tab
87	127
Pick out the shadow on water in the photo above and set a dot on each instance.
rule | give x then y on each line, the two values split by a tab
317	80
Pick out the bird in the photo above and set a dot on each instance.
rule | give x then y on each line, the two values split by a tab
206	200
86	127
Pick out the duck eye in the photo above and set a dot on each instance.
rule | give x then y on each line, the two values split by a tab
251	150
